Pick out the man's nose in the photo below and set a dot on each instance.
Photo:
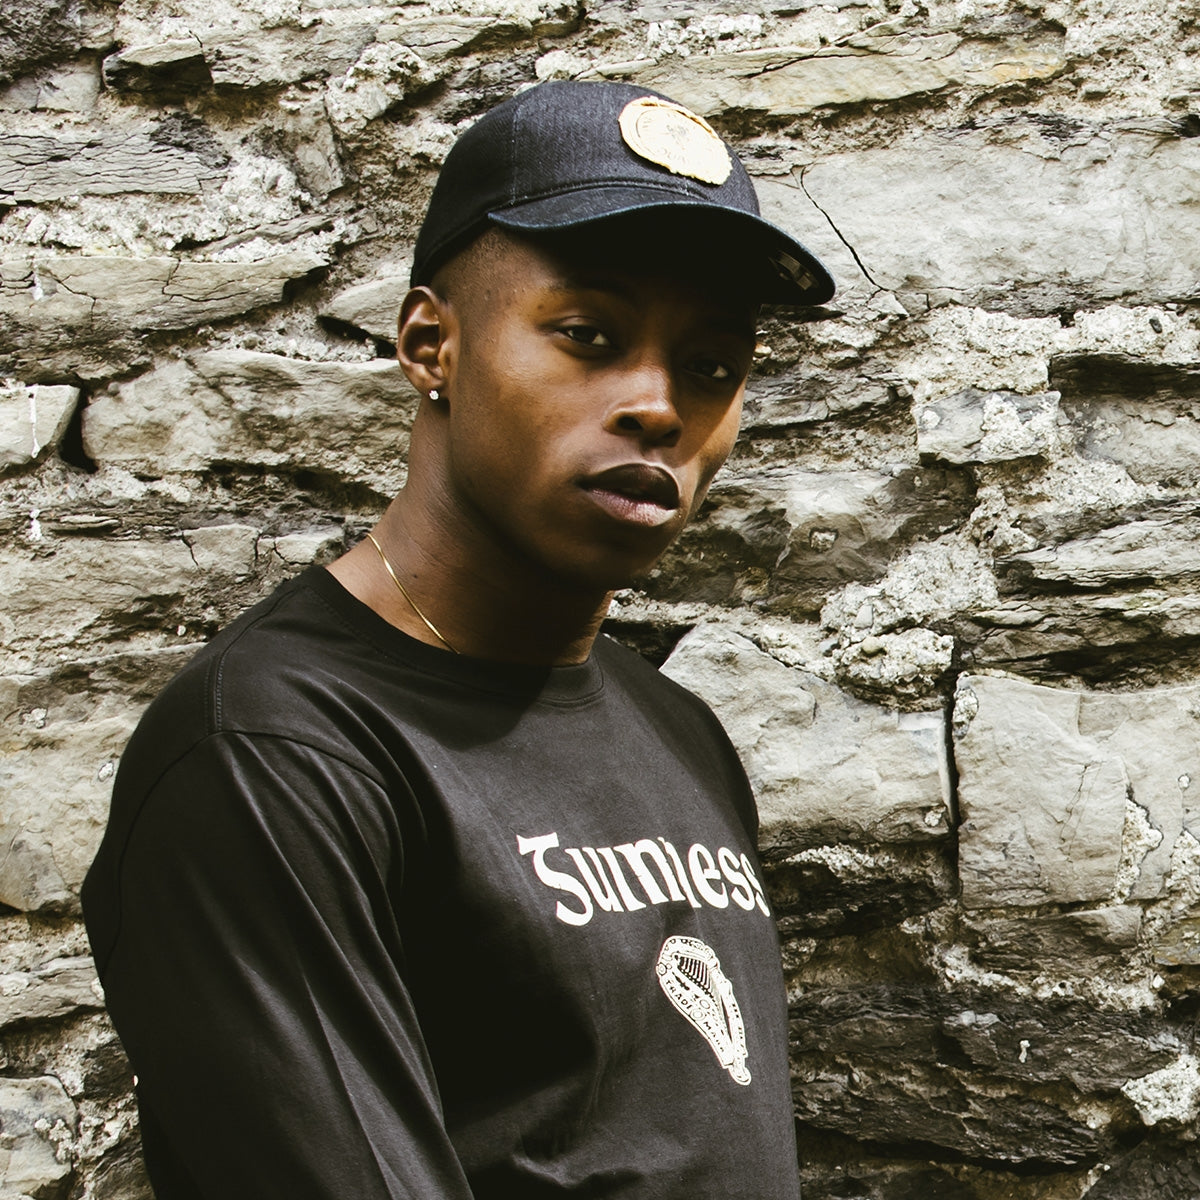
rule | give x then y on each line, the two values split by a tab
648	408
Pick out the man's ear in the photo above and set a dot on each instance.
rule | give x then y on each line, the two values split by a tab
422	336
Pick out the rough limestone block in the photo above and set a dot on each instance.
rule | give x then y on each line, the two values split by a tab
300	549
67	592
1162	546
38	1123
73	88
1059	945
795	535
862	1060
33	32
832	890
1043	807
824	766
1048	1043
469	22
849	525
35	168
304	134
986	427
1040	232
32	419
373	307
274	57
435	38
61	736
53	307
1151	627
787	80
56	778
1154	442
1015	1079
1137	413
804	393
230	548
1155	733
1072	796
347	418
385	73
1180	945
175	65
190	291
21	96
1155	1169
51	990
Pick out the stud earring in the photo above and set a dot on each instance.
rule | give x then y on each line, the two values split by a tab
434	394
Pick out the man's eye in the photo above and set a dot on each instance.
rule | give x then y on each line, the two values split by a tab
712	368
588	335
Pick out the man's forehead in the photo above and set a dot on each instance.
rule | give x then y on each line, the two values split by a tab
629	262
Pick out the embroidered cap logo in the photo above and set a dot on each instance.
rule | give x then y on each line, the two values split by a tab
689	972
672	136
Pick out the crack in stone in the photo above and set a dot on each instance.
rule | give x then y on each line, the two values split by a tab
171	273
761	644
840	43
841	237
782	66
801	58
60	283
1075	806
35	445
953	807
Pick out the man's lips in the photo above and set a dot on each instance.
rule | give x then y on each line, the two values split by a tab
639	493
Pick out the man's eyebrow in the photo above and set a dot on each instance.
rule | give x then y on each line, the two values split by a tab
577	281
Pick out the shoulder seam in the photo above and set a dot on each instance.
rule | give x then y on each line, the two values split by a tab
262	735
249	735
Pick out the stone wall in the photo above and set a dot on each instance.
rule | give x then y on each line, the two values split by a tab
944	595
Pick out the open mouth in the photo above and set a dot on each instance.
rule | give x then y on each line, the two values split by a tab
638	493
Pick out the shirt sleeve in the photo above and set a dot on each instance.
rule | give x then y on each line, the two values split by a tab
257	981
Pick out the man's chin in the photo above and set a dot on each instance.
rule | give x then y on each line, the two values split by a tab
604	577
595	566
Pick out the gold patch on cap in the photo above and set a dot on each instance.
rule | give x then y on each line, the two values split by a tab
668	134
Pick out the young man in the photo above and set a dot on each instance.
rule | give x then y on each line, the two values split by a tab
413	886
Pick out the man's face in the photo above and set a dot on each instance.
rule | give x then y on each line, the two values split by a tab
590	401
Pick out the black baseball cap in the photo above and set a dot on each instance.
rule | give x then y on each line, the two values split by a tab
565	154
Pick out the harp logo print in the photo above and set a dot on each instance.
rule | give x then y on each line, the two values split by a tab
690	974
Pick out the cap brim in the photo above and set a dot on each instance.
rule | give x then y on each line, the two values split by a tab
791	274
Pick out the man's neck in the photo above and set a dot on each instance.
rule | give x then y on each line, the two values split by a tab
471	599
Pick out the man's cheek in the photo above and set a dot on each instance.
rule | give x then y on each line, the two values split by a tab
709	471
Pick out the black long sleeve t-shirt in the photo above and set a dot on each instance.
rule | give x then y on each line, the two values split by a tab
376	921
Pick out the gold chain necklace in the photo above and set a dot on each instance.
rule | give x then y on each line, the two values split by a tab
437	633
